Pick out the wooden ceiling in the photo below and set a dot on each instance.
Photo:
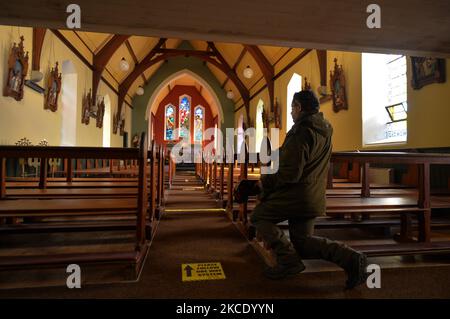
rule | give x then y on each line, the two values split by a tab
136	48
187	80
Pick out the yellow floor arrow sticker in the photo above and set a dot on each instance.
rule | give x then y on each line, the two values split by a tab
202	271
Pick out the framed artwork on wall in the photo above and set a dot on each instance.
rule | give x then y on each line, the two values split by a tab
86	108
426	71
119	123
17	70
115	124
53	89
100	113
337	82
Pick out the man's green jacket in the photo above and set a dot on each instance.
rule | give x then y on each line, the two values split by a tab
298	188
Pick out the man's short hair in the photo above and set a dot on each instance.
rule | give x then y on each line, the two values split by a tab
308	100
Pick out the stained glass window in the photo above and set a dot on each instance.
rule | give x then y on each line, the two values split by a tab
170	123
198	124
185	111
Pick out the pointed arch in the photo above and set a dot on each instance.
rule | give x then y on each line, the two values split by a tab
152	106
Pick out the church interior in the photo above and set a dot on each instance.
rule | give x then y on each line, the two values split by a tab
91	119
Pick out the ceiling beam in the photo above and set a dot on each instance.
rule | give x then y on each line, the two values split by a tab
102	58
236	64
38	42
186	53
282	56
155	56
267	70
292	63
70	46
112	76
245	94
322	57
139	68
284	70
84	42
134	57
102	44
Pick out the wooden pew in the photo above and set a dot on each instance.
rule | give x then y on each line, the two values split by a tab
70	209
370	202
217	184
421	160
84	186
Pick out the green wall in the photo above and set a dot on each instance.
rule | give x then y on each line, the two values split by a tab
195	65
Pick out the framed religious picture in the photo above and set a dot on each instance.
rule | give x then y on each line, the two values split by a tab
136	140
427	71
119	123
275	115
115	124
100	113
53	89
17	70
337	82
122	127
86	108
306	85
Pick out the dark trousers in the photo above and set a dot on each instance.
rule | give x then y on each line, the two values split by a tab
302	244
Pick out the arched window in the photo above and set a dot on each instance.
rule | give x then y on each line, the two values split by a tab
259	125
295	85
240	135
69	104
199	119
107	122
185	115
169	123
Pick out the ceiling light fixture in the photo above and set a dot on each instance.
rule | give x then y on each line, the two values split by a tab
140	90
124	65
230	95
248	72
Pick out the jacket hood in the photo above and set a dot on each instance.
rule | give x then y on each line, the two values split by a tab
317	122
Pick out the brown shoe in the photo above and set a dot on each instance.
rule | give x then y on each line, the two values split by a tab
357	271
